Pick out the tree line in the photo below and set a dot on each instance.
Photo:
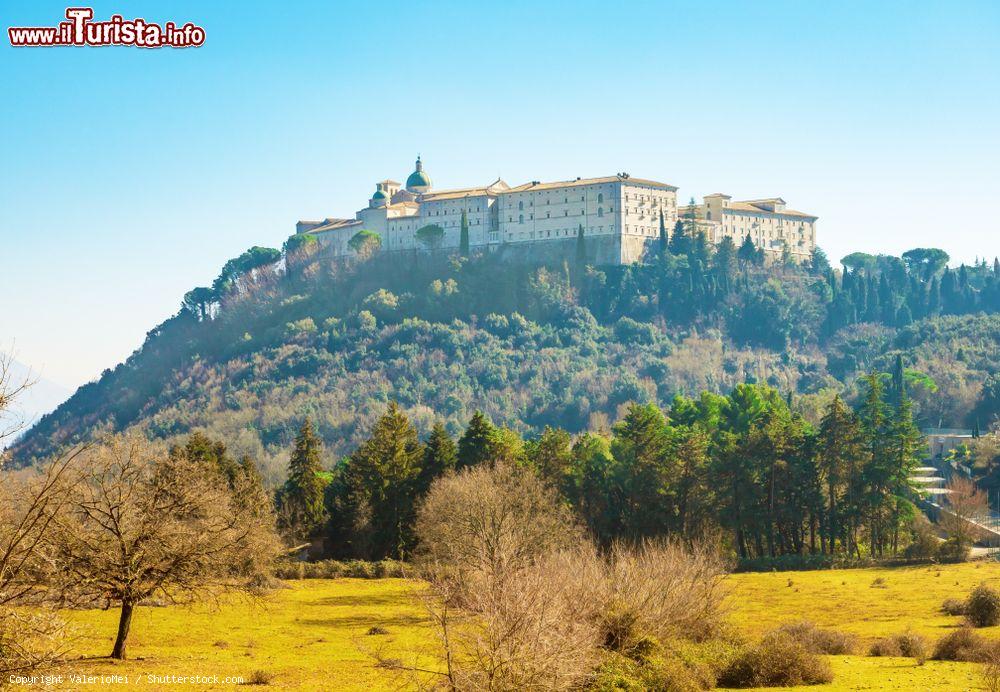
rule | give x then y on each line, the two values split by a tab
743	466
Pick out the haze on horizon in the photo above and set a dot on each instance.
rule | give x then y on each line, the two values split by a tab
131	176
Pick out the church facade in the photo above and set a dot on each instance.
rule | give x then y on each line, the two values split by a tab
619	216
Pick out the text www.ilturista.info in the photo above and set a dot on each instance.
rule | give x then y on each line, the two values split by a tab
81	31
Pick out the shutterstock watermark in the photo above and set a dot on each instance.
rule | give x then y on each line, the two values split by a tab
81	30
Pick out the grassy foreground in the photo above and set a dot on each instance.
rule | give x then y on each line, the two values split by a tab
312	635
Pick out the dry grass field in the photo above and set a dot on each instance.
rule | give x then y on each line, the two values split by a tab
313	634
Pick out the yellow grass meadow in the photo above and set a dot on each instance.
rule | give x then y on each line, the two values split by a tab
313	634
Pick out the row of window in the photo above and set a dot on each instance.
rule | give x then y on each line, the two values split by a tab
557	233
548	215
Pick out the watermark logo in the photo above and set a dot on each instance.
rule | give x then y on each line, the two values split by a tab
81	30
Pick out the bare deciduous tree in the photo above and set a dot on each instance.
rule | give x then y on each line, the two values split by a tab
31	635
144	524
492	520
10	389
965	508
522	601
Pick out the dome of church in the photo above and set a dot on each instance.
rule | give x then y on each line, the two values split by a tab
379	195
418	180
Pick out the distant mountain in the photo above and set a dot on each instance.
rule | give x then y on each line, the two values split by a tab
42	397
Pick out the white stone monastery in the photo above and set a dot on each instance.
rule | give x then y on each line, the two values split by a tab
620	216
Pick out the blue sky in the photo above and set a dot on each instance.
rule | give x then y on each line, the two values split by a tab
129	176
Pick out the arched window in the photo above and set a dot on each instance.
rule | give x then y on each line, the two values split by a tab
600	210
600	197
520	206
520	218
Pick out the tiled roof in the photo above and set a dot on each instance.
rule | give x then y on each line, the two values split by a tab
532	187
335	224
496	187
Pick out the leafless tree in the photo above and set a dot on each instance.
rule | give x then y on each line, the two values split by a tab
10	388
32	636
521	600
493	521
145	524
965	508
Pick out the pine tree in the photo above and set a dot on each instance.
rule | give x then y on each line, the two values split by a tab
463	243
440	456
551	456
202	449
839	453
301	499
475	443
388	464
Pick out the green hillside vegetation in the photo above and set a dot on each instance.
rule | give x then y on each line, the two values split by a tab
281	337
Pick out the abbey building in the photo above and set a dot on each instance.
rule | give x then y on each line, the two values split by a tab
619	215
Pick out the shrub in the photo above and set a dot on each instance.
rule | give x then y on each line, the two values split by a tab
661	589
335	569
492	520
532	629
820	641
376	630
620	673
953	606
924	543
886	646
953	550
909	644
990	673
964	644
982	608
778	660
260	677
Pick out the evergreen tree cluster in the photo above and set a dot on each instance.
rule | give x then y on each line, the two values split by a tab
743	464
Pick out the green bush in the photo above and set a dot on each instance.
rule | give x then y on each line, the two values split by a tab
335	569
982	608
777	661
954	550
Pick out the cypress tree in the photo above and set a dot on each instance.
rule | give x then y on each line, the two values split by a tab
905	447
663	235
463	242
581	251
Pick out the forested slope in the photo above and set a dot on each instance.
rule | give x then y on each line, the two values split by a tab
283	336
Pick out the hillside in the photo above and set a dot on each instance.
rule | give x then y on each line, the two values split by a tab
280	337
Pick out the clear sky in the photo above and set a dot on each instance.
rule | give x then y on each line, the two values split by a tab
128	176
